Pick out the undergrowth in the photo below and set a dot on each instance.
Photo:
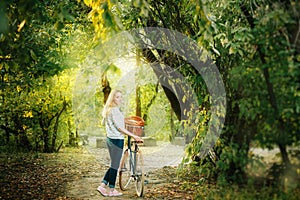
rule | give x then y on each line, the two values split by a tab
264	182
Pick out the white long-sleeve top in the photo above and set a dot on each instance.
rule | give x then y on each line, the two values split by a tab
114	121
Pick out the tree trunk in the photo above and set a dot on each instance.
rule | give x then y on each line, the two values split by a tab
54	135
172	126
8	131
147	107
23	141
106	88
270	89
72	136
174	93
284	154
46	148
138	108
45	132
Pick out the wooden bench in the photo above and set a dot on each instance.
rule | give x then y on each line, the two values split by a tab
179	141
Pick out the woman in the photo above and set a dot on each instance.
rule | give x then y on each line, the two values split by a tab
115	130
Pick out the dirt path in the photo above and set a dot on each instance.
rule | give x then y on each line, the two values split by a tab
156	159
75	173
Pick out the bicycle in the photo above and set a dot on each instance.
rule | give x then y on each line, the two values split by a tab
131	166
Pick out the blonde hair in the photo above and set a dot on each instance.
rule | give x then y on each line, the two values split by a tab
109	102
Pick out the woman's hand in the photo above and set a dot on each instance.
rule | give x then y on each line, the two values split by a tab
130	134
137	138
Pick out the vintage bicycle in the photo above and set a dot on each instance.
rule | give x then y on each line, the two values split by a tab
131	166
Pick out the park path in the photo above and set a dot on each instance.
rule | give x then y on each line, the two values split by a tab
155	158
159	166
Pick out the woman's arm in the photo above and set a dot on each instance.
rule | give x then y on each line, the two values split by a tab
135	137
118	121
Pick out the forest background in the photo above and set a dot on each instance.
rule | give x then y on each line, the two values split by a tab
255	45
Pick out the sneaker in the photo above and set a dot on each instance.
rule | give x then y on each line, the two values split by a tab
115	193
102	191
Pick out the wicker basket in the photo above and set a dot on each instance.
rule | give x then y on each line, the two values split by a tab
135	125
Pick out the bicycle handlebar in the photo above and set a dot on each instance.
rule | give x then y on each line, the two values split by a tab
134	141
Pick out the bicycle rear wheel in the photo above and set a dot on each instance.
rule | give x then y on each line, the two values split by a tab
125	172
139	175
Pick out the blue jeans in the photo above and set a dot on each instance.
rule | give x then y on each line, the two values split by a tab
115	148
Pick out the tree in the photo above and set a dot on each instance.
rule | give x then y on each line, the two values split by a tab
33	50
249	43
260	47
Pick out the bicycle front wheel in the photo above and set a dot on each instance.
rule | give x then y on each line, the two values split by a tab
139	174
125	171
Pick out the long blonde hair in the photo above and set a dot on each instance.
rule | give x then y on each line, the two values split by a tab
109	102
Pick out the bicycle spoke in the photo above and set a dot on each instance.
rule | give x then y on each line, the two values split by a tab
139	175
131	167
124	173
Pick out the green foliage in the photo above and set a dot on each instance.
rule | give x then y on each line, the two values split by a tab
258	64
32	113
34	95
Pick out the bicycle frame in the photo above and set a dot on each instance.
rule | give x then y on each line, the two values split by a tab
132	156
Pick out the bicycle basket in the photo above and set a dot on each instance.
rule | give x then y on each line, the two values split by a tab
135	125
